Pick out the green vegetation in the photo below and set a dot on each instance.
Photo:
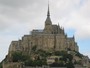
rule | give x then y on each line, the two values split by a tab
40	57
34	48
43	53
70	65
35	62
64	55
57	63
19	56
78	62
60	63
0	65
79	54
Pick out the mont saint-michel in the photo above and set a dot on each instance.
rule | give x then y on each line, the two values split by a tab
46	48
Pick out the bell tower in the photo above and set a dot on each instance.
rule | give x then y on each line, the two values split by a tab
48	22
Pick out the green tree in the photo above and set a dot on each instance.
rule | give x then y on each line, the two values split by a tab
70	65
28	62
40	63
18	56
34	48
70	57
35	62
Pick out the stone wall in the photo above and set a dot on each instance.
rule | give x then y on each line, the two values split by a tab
13	65
20	65
52	67
45	67
44	41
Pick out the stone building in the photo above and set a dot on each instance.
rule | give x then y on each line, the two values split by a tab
51	38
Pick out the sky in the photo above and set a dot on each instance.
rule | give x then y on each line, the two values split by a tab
19	17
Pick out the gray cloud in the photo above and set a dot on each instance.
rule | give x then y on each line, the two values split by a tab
18	11
17	3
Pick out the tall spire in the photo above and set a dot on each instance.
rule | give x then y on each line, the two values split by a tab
48	20
48	13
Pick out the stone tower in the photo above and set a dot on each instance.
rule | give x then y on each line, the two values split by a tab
48	23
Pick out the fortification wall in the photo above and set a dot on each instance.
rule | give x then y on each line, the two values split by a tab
13	65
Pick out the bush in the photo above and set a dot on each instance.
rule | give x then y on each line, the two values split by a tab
79	55
39	63
18	56
70	57
34	48
56	64
28	62
64	55
35	63
43	53
70	65
60	53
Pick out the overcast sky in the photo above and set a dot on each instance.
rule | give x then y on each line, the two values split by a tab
19	17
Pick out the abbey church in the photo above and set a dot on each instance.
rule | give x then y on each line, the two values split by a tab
51	38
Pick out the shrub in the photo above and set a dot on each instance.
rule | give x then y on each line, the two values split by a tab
18	56
79	55
70	65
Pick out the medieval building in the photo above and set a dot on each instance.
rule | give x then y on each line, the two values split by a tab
51	38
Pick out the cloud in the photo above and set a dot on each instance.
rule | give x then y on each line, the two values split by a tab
73	14
80	25
17	3
85	10
20	11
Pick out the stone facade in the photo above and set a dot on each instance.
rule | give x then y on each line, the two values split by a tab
13	65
